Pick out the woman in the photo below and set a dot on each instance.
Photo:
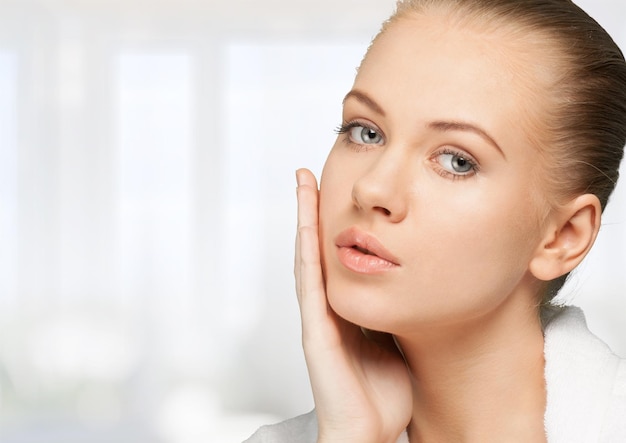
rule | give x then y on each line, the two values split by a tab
478	149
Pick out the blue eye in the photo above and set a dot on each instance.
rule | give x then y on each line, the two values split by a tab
456	164
365	136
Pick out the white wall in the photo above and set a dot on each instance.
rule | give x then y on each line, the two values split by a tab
147	211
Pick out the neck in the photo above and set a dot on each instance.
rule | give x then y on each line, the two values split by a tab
477	382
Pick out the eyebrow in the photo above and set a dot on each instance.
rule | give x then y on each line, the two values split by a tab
445	126
442	126
365	99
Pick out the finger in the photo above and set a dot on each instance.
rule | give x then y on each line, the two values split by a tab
307	198
297	264
312	297
297	261
308	270
306	179
307	216
307	221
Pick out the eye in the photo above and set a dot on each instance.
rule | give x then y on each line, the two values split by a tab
457	163
361	134
364	135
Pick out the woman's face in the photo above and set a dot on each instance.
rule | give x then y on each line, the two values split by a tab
430	210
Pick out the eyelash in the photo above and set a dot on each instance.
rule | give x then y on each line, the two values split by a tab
346	127
475	168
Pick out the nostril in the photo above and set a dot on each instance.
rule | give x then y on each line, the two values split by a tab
383	210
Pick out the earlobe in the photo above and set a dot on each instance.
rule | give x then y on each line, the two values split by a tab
568	238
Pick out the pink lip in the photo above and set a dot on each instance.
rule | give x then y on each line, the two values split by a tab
362	253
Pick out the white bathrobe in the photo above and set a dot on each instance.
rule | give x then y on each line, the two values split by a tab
586	385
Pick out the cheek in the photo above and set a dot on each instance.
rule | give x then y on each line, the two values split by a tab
488	244
479	246
336	183
334	199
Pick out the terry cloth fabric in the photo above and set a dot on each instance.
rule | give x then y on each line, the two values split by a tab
301	429
585	382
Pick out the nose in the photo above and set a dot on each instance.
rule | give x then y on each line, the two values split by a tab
383	189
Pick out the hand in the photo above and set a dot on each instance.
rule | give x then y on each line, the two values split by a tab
362	390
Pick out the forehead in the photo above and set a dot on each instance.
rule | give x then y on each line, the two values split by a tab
461	71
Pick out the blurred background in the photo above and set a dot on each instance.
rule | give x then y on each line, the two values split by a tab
147	211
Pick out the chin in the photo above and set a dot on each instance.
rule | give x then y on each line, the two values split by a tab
363	309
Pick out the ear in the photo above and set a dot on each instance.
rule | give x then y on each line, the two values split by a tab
569	235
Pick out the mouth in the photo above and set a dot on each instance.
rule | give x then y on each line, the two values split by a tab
362	250
363	253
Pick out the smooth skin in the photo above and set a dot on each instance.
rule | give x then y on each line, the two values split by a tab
441	169
365	387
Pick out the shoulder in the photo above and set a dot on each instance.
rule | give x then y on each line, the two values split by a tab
301	429
585	381
615	424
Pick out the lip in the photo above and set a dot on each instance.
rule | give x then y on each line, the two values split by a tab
363	253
